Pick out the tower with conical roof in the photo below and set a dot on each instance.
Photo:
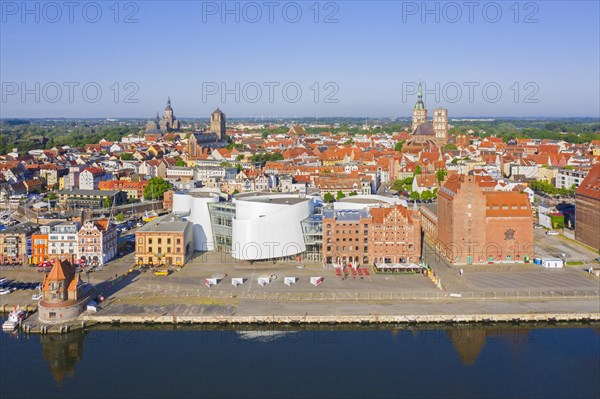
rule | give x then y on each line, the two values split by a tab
419	114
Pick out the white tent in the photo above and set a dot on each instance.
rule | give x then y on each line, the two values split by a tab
264	280
316	281
209	282
289	280
236	281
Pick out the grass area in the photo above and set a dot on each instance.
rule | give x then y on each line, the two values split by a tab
575	263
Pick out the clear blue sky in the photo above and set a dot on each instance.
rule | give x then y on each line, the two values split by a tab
374	49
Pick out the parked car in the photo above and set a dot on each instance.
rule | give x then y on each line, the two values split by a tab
5	291
552	233
37	296
538	226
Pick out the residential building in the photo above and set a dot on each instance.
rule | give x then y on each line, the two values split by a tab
62	241
15	244
90	178
97	242
567	178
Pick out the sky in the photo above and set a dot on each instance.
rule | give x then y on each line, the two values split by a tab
299	59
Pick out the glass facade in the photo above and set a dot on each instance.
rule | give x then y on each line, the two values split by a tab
312	229
221	219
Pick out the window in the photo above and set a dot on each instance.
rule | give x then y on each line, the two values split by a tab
149	240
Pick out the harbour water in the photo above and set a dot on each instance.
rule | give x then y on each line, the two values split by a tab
468	361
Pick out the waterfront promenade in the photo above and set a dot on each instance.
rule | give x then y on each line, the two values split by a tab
491	292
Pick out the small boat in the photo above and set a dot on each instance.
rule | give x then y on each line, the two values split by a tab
15	318
148	216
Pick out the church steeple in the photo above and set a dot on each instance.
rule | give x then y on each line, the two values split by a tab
419	113
420	104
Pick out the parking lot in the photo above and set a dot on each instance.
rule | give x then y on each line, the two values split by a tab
547	246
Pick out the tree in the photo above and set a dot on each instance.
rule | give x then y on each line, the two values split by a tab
418	170
450	147
236	191
427	195
415	196
126	156
120	217
240	157
180	162
340	195
399	145
156	187
264	135
108	202
51	196
441	175
352	194
328	197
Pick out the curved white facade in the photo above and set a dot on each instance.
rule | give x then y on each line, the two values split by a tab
268	226
193	205
358	202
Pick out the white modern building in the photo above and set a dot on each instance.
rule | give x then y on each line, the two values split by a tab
357	202
269	226
193	206
566	178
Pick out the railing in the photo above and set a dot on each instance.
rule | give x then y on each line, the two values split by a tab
156	291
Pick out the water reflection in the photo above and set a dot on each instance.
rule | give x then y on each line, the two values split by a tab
62	353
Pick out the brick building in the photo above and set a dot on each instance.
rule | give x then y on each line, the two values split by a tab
367	236
478	227
587	209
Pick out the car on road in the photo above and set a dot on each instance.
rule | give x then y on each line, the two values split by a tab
552	233
36	297
538	226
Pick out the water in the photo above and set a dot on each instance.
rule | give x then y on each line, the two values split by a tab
151	363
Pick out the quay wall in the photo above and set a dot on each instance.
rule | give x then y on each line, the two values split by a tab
343	319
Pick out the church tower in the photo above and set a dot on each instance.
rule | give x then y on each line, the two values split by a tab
440	125
169	122
217	124
419	114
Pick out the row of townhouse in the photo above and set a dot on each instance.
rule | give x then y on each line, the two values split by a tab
93	242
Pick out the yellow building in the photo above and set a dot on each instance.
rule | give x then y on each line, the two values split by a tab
165	241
